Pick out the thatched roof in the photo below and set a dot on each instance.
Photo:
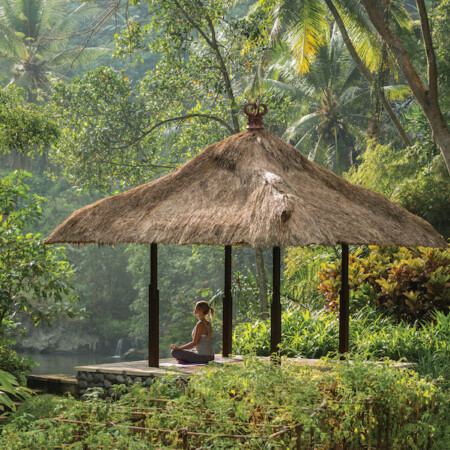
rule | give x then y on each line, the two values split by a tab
253	189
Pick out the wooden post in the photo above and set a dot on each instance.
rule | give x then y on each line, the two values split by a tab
275	311
344	301
227	306
153	309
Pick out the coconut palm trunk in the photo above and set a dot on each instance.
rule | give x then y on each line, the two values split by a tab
367	74
427	97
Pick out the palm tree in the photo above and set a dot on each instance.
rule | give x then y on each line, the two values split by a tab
303	24
36	44
330	100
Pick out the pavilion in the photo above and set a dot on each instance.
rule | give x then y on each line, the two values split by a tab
252	189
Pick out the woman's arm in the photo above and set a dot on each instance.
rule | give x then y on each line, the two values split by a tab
197	333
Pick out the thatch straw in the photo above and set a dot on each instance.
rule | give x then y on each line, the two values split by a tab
252	189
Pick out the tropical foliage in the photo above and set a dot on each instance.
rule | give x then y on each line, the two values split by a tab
181	72
372	335
9	387
24	127
416	178
14	364
353	405
34	42
34	279
409	284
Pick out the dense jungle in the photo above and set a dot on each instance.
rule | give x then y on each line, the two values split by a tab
100	96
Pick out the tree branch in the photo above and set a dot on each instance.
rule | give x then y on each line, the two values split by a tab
429	50
174	119
212	42
158	166
429	103
193	22
225	75
398	50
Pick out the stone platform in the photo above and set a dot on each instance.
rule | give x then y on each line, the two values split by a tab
109	375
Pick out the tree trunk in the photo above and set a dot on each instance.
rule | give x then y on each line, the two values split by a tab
376	124
426	97
262	282
211	40
367	74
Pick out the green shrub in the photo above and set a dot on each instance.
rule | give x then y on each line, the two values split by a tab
356	404
34	408
372	335
10	390
13	363
409	283
306	333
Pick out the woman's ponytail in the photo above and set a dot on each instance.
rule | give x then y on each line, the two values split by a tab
205	308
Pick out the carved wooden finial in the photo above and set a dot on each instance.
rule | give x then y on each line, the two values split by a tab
255	115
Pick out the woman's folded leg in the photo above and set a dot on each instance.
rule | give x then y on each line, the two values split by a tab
191	357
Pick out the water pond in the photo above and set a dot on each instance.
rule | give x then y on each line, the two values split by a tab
64	363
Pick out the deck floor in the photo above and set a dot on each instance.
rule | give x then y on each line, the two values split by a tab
141	368
169	365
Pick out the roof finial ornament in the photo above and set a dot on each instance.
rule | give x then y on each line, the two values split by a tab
255	115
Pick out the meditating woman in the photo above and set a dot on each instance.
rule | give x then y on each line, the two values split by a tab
202	351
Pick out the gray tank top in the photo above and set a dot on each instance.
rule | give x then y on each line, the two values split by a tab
204	346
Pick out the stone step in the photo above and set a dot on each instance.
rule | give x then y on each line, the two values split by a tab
58	383
37	391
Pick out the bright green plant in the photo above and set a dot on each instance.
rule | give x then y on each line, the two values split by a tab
305	333
33	408
34	279
24	127
10	388
13	363
355	404
300	278
409	283
372	335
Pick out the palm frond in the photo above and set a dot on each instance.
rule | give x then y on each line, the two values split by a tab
350	95
10	42
361	33
397	92
303	125
12	18
400	16
353	77
75	57
307	35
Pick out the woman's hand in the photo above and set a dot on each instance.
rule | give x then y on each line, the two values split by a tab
174	347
